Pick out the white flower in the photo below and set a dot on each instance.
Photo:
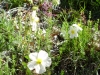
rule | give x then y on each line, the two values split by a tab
73	32
34	16
74	29
78	27
39	61
34	20
43	31
34	26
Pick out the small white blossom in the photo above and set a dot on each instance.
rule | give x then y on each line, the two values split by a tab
73	32
39	61
78	27
34	16
34	20
74	29
44	31
34	26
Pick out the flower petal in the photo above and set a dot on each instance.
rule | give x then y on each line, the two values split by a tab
33	14
78	27
73	28
71	36
34	26
43	55
47	62
37	68
76	35
31	65
40	69
36	19
33	56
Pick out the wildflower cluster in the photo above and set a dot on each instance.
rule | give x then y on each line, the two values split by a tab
39	60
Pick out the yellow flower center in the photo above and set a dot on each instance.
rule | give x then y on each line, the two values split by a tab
72	31
39	61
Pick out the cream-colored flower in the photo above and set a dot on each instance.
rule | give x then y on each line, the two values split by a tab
34	20
39	61
34	26
34	16
43	31
78	27
73	32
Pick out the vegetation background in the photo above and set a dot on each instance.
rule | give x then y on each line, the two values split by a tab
78	56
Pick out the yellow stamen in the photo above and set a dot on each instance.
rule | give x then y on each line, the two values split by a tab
38	61
72	31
